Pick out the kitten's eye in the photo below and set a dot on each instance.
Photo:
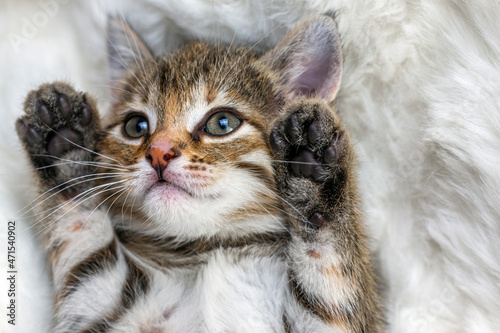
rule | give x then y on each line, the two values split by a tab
136	127
222	123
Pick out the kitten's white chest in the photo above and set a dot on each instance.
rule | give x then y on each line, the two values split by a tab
246	297
228	294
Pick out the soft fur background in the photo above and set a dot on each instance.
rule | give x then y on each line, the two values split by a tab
420	94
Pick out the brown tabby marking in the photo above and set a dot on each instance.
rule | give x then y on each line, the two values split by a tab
169	253
94	264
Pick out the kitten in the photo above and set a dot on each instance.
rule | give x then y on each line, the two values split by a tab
219	196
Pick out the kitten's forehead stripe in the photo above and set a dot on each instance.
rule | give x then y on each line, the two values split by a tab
196	107
210	93
169	83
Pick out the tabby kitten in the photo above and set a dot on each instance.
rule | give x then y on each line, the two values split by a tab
218	197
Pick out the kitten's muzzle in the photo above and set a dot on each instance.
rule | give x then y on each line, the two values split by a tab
159	156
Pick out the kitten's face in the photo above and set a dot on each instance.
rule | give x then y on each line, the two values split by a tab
192	128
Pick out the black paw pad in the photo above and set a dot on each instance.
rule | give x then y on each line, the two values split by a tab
44	114
31	134
305	164
292	129
63	140
313	133
331	153
317	221
64	107
86	116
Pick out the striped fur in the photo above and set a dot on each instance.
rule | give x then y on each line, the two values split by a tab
228	237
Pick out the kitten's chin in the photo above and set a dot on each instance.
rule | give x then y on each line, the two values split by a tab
168	191
172	211
176	211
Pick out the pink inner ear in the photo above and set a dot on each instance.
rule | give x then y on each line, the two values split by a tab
314	79
317	72
310	59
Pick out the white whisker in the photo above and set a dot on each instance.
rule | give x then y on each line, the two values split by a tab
91	163
101	203
76	205
105	175
80	195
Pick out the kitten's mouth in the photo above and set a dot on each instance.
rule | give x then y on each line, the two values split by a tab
163	182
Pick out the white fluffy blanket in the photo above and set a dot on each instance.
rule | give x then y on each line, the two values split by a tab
420	94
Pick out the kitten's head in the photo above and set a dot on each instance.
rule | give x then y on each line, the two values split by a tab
192	127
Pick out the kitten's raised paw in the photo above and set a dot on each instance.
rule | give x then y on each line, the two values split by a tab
312	141
313	161
59	132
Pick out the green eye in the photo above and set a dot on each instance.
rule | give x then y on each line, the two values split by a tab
222	123
136	127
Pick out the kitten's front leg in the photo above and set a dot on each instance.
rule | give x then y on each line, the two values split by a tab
59	132
328	261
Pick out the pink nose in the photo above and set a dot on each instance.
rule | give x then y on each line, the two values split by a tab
159	154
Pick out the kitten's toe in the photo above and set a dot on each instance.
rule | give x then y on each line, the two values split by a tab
293	129
28	133
333	152
87	113
42	111
64	106
313	132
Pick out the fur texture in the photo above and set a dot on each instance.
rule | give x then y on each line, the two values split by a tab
189	142
419	95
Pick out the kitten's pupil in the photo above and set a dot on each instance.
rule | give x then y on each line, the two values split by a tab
141	126
223	123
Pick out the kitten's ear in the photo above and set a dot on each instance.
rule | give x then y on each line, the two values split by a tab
309	59
125	49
